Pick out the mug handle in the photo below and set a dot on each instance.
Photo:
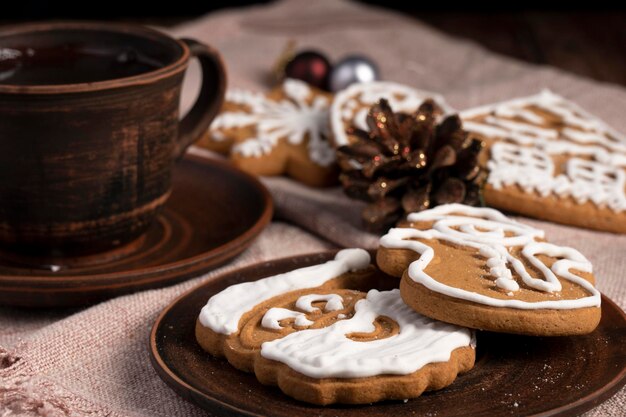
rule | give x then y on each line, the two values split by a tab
210	100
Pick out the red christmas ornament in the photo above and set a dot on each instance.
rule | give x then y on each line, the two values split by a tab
311	67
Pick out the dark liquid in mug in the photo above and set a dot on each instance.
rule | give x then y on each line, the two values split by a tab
72	63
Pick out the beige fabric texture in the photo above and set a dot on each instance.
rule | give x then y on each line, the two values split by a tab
94	361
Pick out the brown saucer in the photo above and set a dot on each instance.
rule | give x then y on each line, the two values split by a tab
213	214
514	375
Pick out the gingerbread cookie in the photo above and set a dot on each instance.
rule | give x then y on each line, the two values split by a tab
550	159
283	132
475	267
350	106
316	335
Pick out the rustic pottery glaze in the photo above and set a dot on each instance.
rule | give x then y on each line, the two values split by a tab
203	224
90	132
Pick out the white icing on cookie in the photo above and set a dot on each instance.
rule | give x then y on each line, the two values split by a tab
334	302
491	233
329	352
292	118
496	262
345	107
254	147
273	316
224	310
524	155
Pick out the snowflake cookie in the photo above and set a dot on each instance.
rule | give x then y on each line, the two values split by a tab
283	132
324	336
550	159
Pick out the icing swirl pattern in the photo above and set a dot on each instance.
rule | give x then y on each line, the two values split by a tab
492	234
224	310
330	332
330	352
530	132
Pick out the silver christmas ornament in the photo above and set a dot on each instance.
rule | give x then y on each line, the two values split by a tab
352	69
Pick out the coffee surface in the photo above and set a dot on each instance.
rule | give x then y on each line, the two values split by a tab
72	63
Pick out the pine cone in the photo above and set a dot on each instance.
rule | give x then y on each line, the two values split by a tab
409	163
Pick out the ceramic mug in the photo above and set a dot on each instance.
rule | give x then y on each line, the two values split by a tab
90	131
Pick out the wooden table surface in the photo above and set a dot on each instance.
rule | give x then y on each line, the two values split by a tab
591	44
585	42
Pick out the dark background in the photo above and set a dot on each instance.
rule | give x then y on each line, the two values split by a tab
588	39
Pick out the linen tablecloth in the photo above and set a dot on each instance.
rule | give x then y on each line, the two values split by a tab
94	361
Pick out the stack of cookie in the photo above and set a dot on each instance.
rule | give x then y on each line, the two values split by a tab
336	333
328	334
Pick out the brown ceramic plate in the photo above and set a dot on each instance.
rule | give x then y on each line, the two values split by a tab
213	214
514	375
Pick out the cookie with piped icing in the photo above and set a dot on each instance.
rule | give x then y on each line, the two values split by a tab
350	106
323	335
475	267
283	132
550	159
